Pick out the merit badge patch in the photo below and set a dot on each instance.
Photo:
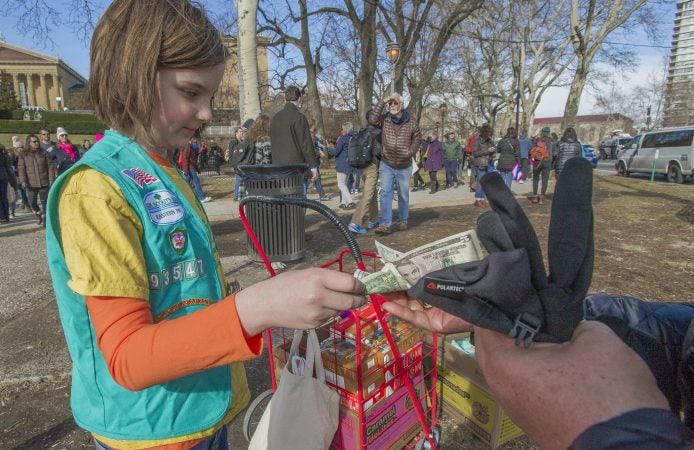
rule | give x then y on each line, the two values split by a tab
139	176
178	238
163	207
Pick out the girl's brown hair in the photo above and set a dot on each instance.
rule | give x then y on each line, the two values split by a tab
260	128
131	42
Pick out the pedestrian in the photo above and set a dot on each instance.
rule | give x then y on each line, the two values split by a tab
342	167
508	150
321	153
242	153
188	162
216	155
155	332
434	162
453	153
46	143
370	176
7	182
17	149
65	153
290	127
541	153
259	137
482	151
400	141
36	174
85	147
472	182
524	146
567	148
419	160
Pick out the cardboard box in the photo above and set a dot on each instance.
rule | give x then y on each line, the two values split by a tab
389	424
465	396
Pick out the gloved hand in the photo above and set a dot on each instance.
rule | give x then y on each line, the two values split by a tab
658	332
509	290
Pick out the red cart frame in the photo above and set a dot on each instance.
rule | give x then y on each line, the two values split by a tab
405	370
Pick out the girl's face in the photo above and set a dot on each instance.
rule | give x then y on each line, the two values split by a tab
62	138
183	104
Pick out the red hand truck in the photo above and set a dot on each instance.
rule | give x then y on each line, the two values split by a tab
407	388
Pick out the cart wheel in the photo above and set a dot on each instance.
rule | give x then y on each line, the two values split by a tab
255	412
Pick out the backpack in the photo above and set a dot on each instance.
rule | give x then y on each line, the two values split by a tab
360	150
540	152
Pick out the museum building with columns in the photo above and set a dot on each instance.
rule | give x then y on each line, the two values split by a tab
40	80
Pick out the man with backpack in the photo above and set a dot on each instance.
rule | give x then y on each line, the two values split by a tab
342	167
365	151
400	141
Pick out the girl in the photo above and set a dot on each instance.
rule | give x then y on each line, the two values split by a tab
154	331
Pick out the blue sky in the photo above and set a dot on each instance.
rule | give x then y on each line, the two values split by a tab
75	52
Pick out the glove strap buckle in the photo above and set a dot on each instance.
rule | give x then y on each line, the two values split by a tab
524	329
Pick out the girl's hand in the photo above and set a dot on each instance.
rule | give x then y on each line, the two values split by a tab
301	299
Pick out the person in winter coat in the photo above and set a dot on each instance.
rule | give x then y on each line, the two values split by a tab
6	178
525	144
434	162
66	153
400	140
509	151
567	148
36	174
188	161
370	197
342	167
541	153
452	153
241	153
482	150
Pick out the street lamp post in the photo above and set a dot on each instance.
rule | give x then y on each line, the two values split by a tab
393	53
442	108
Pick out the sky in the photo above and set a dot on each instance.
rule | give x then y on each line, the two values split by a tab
650	57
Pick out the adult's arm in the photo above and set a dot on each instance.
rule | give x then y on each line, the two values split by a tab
376	116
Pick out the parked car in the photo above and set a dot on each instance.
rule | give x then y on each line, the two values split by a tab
588	152
669	152
609	148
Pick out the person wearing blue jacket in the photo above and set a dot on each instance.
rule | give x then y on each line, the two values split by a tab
342	167
525	144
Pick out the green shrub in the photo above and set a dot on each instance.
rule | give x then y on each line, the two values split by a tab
33	126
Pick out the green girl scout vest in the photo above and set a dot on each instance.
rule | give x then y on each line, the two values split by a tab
182	270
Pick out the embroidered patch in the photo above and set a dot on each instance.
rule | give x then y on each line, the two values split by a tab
163	207
178	238
139	176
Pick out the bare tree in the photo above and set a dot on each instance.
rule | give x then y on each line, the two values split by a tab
407	23
591	22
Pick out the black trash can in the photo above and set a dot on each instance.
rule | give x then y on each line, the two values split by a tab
279	228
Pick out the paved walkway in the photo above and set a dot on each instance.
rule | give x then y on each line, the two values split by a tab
226	208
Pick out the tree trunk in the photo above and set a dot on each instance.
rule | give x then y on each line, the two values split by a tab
574	98
367	36
247	47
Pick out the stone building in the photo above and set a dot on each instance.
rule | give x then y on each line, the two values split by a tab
40	80
591	129
227	97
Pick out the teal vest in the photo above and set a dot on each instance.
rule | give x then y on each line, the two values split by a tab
182	268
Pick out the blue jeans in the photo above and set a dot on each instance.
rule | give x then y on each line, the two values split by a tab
196	183
479	173
507	176
218	441
319	186
451	166
402	180
237	186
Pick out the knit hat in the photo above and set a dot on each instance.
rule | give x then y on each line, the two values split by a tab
247	124
16	142
60	131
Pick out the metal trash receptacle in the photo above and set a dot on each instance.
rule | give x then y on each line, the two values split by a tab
279	228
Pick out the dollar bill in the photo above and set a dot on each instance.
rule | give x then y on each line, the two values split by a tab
388	279
386	253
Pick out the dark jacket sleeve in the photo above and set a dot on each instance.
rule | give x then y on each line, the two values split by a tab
376	116
640	429
302	134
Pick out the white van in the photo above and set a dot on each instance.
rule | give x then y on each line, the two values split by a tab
672	149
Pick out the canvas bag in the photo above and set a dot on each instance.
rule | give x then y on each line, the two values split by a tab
304	411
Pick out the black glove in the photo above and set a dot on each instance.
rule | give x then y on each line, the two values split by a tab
658	332
509	291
